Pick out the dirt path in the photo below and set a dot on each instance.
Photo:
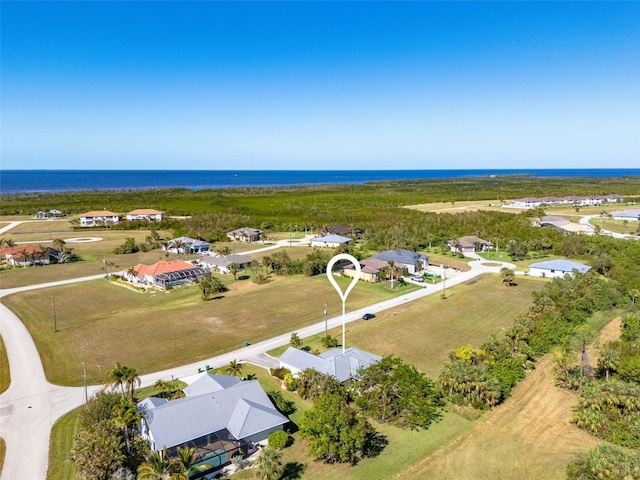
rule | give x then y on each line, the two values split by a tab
528	437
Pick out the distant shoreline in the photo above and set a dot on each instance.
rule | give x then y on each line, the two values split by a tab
57	181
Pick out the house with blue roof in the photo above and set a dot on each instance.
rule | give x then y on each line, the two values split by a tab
557	268
330	241
404	260
344	367
220	417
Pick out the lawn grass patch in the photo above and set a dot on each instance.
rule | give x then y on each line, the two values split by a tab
3	452
5	373
100	323
63	433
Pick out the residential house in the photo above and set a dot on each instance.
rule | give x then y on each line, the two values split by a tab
372	270
569	200
148	214
222	263
245	234
220	417
186	245
407	260
99	218
344	367
564	225
56	213
469	244
165	273
25	255
330	241
557	268
40	215
630	214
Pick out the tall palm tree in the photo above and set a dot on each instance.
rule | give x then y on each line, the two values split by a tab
634	293
234	268
116	378
163	387
234	368
392	269
268	464
131	379
59	244
126	416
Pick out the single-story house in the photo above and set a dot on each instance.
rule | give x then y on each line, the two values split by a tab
101	218
630	214
371	269
564	225
56	213
23	255
405	259
469	244
330	241
222	264
148	214
40	215
220	417
569	200
245	234
342	366
165	273
186	245
556	268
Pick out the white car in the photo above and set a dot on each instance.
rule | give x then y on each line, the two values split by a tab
417	278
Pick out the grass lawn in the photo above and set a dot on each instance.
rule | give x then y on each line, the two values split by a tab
5	374
459	207
101	323
3	451
60	442
424	331
43	228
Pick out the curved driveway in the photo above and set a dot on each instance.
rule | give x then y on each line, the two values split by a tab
31	405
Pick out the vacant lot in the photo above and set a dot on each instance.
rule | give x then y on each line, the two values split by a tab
422	332
459	207
101	323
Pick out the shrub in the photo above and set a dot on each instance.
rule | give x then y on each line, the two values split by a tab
284	406
278	439
290	382
279	372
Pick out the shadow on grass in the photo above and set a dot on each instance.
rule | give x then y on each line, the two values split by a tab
374	445
292	471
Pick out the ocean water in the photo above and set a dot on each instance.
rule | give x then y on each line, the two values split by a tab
26	181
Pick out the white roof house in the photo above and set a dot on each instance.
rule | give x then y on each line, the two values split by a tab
341	366
557	268
220	416
330	241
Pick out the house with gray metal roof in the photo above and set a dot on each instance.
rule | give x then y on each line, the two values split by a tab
557	268
220	417
222	263
186	245
402	259
632	214
341	366
245	234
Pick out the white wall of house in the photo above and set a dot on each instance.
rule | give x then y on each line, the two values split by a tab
94	221
547	273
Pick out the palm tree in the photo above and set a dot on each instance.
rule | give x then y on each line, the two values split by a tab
234	368
177	245
156	468
116	377
224	251
268	464
234	268
126	416
392	268
59	244
163	387
131	379
634	293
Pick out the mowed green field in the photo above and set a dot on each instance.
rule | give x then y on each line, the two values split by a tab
5	376
101	323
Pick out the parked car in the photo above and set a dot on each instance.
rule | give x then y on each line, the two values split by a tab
368	316
417	278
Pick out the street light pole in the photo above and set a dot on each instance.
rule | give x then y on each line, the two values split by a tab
55	322
84	381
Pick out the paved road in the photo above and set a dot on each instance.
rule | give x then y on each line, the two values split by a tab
31	405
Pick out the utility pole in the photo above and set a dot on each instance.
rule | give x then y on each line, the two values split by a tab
444	280
55	322
84	381
325	319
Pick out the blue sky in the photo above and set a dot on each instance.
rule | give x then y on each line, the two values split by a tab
320	85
